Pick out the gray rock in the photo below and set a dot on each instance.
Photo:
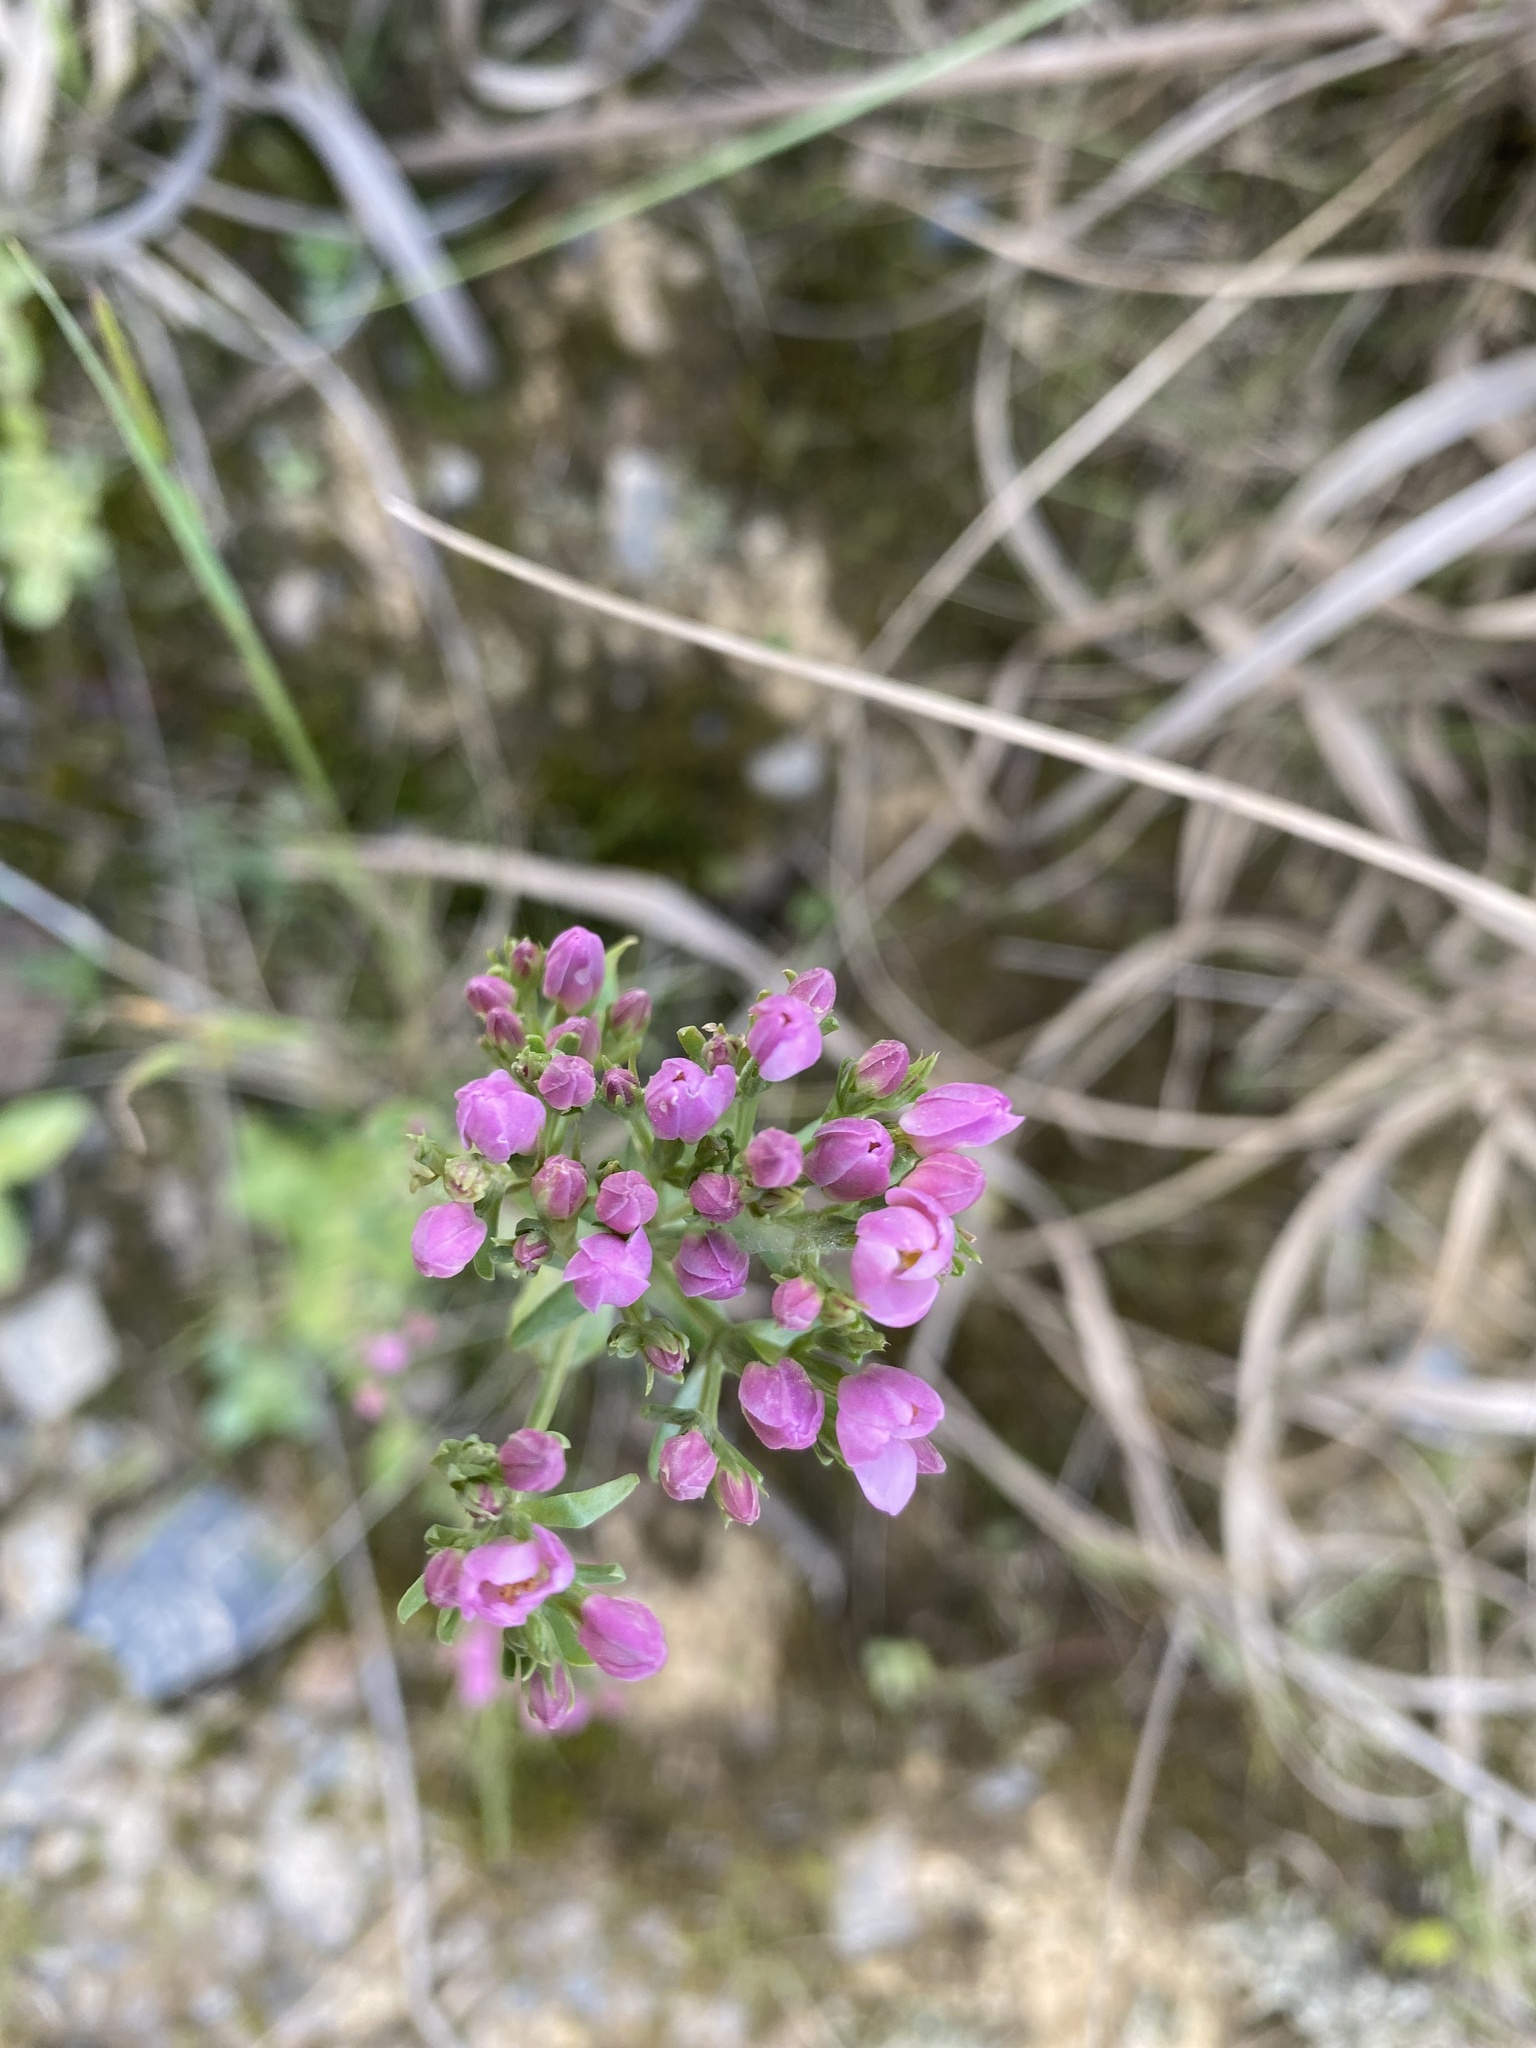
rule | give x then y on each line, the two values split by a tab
213	1582
57	1349
873	1900
41	1553
310	1875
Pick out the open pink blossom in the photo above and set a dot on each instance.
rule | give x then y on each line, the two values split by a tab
850	1158
883	1419
686	1466
948	1179
446	1239
573	969
712	1267
552	1705
782	1406
498	1117
532	1461
738	1495
784	1037
607	1271
683	1101
773	1159
568	1082
796	1304
622	1637
900	1257
504	1582
626	1201
959	1113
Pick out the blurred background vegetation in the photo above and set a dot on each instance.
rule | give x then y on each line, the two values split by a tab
1161	374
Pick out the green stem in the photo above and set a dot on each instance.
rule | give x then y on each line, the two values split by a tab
551	1383
709	1406
494	1754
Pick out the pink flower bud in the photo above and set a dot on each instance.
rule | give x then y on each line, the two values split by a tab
559	1187
527	958
712	1267
532	1461
622	1637
530	1248
504	1028
947	1179
882	1069
369	1401
716	1196
883	1414
784	1038
902	1253
682	1101
498	1118
446	1239
440	1580
573	969
738	1495
568	1082
851	1158
503	1582
581	1035
773	1159
782	1406
667	1354
552	1703
487	992
620	1088
719	1052
796	1304
610	1272
686	1466
816	989
626	1201
959	1113
630	1013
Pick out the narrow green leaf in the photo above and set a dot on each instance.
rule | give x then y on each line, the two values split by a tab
580	1510
37	1132
600	1575
544	1318
413	1599
562	1626
447	1624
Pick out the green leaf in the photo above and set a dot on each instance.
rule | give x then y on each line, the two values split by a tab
562	1626
413	1599
539	1638
600	1575
580	1510
447	1624
37	1132
13	1246
545	1317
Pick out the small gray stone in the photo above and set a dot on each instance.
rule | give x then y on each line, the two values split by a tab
790	769
310	1875
41	1553
873	1906
57	1349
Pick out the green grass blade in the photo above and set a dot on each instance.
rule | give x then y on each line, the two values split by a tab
179	510
726	158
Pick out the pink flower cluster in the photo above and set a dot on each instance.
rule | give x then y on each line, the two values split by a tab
651	1198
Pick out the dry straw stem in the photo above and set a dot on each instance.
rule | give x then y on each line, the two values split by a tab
1173	47
1499	909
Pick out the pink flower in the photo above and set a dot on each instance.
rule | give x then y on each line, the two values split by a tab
477	1664
959	1113
446	1239
487	992
716	1196
785	1037
816	989
553	1705
388	1352
712	1267
796	1304
883	1419
440	1580
504	1028
625	1202
526	957
607	1271
781	1405
532	1461
504	1582
559	1187
620	1088
622	1637
686	1466
883	1068
666	1353
630	1013
851	1158
573	969
530	1248
497	1117
947	1179
773	1159
901	1255
582	1035
568	1082
682	1100
738	1496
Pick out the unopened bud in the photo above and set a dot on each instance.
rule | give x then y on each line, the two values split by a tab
504	1028
465	1179
530	1248
525	959
630	1013
560	1187
881	1070
620	1088
665	1350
